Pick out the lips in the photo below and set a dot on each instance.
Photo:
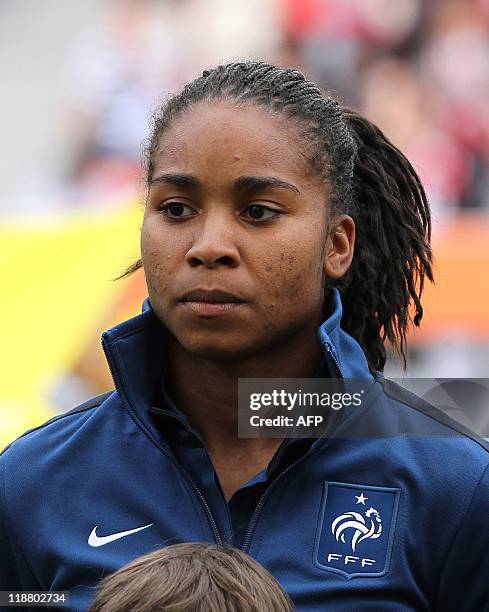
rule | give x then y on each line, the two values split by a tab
210	302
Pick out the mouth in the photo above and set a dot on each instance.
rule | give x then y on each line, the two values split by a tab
210	303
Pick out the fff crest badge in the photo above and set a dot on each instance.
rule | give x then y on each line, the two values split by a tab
356	529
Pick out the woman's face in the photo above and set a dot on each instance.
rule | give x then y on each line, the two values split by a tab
234	208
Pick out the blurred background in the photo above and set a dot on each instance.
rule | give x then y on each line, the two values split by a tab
78	81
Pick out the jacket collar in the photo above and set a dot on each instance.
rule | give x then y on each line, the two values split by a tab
135	352
339	346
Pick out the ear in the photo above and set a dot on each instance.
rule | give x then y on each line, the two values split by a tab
339	246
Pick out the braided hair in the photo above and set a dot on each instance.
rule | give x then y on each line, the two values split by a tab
369	179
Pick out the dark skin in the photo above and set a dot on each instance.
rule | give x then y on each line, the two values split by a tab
270	242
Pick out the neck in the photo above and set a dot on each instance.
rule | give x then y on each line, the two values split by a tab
207	390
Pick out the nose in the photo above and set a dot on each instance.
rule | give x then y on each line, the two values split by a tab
214	244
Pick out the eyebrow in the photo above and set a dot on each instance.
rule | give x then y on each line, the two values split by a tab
255	183
178	180
242	183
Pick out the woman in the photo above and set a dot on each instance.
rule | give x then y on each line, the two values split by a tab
272	216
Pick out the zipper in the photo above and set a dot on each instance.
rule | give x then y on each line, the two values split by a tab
256	514
213	524
210	517
333	357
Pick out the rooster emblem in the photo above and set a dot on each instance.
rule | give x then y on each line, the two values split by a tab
358	523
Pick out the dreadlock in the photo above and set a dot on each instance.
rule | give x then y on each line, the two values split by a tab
370	180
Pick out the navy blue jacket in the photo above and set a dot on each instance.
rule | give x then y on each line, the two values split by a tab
389	512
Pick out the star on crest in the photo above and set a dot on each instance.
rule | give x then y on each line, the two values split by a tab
361	499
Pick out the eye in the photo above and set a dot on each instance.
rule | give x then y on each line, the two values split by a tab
259	212
176	210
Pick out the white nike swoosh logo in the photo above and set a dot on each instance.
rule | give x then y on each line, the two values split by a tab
95	540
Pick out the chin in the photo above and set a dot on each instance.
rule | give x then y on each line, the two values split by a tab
216	349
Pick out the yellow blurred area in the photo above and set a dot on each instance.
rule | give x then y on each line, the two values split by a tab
56	286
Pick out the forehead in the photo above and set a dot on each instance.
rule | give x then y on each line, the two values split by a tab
224	136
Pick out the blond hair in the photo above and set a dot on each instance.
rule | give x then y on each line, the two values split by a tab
192	577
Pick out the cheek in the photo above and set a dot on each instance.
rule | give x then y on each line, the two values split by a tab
159	256
294	275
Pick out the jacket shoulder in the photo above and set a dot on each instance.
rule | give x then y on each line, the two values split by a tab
69	418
